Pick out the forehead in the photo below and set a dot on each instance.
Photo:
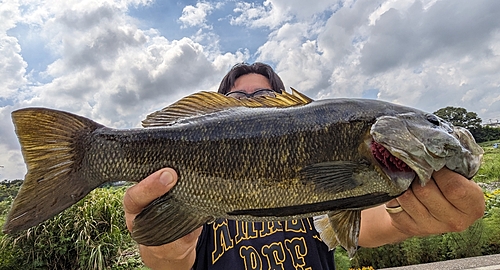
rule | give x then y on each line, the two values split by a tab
251	82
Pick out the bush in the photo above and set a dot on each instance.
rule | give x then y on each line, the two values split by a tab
418	250
492	221
490	168
89	235
469	243
342	260
482	238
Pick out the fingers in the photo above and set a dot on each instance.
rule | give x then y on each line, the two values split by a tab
140	195
464	195
415	219
448	202
392	203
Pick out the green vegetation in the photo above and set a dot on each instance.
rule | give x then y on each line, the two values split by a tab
462	118
490	169
92	234
89	235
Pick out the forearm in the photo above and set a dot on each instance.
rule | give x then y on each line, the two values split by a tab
159	262
377	228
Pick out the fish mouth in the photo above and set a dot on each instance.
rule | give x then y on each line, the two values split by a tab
400	172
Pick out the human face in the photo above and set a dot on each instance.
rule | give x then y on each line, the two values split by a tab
250	83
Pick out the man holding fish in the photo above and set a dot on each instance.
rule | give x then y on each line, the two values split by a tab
448	202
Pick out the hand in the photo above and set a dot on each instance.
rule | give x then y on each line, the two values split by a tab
179	254
449	202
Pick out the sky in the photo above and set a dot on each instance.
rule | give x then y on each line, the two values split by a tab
116	61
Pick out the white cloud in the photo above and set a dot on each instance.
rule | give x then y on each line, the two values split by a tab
196	16
108	69
109	66
304	10
411	36
12	65
428	55
118	69
255	15
297	58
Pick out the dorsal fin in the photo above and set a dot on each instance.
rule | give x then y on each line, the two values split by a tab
209	102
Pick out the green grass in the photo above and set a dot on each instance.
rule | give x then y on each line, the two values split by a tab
490	168
89	235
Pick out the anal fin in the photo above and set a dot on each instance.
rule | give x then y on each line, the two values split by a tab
165	220
326	232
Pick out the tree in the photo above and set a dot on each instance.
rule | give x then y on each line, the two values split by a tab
485	134
460	117
469	120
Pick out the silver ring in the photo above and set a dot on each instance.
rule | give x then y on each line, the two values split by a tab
394	210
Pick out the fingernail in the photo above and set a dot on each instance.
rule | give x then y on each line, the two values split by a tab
166	178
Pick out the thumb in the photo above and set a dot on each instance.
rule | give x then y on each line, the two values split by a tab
140	195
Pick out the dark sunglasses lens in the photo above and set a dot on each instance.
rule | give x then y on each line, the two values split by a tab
237	95
264	92
258	93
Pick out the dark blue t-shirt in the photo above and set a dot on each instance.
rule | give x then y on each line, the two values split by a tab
295	244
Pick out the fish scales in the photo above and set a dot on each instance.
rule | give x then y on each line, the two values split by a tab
273	154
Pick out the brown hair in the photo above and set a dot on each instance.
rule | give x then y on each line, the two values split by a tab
243	68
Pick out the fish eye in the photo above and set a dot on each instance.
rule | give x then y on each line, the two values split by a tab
433	119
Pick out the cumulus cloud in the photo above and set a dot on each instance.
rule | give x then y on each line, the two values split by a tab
117	68
107	68
255	15
446	29
297	58
305	10
114	68
196	15
12	65
427	54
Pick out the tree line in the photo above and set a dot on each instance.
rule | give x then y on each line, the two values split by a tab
462	118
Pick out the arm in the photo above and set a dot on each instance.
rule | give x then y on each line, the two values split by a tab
179	254
448	203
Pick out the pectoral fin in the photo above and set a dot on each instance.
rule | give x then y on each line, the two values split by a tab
166	220
340	227
331	177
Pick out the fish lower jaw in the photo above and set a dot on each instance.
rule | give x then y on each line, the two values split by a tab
393	165
401	179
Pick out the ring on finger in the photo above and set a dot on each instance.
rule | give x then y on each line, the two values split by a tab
394	210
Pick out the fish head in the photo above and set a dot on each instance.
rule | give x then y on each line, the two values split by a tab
425	143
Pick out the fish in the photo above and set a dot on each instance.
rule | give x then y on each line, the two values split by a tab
257	159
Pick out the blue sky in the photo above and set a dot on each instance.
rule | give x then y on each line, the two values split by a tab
115	61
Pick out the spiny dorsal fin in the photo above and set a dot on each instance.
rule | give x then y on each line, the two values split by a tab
209	102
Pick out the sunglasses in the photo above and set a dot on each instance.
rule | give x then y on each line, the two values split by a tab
239	94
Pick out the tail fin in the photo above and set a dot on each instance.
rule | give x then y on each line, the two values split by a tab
52	143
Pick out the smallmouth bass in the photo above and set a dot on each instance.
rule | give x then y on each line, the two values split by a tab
260	159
